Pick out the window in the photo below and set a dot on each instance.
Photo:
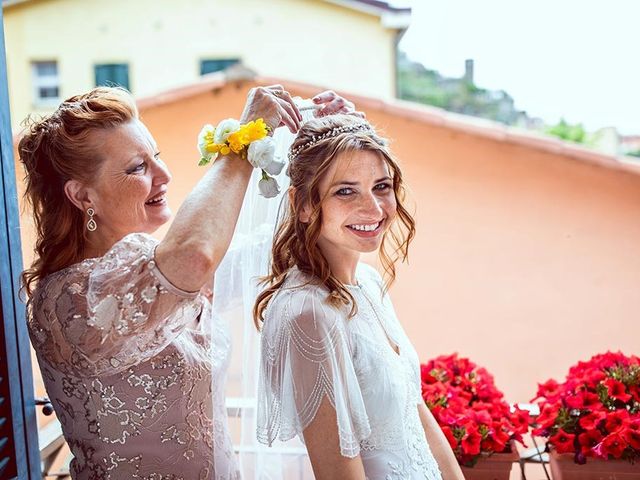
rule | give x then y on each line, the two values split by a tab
112	74
209	66
46	83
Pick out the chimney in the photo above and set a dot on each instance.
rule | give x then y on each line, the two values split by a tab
468	70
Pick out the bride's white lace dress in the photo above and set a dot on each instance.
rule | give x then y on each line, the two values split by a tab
311	350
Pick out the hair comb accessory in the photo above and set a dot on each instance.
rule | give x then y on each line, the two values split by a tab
360	127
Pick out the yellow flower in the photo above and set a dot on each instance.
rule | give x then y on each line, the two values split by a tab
212	147
242	136
229	137
255	130
235	142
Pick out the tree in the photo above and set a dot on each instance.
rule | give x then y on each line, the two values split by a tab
565	131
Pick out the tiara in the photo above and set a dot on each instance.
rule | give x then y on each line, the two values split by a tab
364	127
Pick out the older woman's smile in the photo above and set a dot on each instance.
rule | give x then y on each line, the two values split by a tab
158	200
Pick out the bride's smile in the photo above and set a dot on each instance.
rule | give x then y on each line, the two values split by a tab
358	204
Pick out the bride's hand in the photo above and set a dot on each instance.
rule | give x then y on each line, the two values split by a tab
274	105
333	103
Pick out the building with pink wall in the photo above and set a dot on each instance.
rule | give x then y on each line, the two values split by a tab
526	256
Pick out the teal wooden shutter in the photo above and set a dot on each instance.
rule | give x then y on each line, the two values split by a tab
19	453
112	74
210	66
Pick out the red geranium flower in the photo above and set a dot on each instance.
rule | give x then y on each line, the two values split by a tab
614	445
597	404
547	417
591	378
471	442
588	440
469	408
563	441
425	373
583	399
521	420
591	420
616	420
632	437
550	390
499	437
634	424
634	390
616	390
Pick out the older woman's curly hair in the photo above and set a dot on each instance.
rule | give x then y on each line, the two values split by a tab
54	150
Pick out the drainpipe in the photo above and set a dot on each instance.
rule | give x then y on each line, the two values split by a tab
396	55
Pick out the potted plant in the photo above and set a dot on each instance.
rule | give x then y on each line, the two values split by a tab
592	419
479	424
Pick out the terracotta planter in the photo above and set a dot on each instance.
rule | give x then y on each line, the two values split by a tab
564	468
494	467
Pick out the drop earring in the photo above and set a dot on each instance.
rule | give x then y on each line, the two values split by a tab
91	224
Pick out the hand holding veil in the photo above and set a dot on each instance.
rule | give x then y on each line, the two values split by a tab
235	290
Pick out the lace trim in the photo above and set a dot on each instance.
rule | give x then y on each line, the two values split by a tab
320	338
318	354
165	282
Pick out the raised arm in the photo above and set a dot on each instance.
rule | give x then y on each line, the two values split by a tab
202	230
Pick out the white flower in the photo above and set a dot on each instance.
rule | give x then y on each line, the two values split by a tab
274	168
268	187
205	137
207	130
224	129
261	152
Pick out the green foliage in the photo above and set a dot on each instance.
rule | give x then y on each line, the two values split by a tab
419	84
634	153
566	131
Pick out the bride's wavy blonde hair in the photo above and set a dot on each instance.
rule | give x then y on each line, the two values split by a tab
296	243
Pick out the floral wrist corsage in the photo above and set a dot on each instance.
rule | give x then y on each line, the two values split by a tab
250	141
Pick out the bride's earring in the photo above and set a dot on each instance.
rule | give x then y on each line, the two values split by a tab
91	224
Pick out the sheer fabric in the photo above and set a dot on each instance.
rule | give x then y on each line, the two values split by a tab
128	366
236	287
311	350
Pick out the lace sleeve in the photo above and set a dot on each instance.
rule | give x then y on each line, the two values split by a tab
306	356
107	314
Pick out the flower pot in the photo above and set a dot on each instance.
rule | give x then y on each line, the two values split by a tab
564	468
493	467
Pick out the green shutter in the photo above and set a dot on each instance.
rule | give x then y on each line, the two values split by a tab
111	74
210	66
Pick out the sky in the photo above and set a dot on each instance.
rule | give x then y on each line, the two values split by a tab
579	60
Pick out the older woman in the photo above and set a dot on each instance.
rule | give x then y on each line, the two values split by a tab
114	315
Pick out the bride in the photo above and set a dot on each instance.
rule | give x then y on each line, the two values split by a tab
337	369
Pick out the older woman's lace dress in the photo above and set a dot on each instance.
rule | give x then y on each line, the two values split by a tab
311	350
128	368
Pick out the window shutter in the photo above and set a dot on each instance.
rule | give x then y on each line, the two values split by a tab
19	455
121	75
111	74
8	467
210	66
